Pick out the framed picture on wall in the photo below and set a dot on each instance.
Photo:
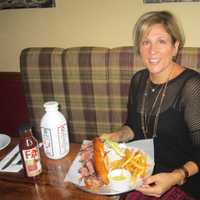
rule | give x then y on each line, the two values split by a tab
168	1
14	4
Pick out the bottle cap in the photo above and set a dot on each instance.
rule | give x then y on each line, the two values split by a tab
51	106
24	127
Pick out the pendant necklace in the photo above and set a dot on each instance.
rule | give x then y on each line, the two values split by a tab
145	118
153	89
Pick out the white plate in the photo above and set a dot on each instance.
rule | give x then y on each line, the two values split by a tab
73	173
4	141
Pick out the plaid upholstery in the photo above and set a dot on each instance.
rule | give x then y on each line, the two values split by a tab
190	57
90	83
42	76
86	89
123	63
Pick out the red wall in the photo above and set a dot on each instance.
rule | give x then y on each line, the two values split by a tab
13	109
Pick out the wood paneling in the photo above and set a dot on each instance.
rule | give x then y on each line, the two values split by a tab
13	109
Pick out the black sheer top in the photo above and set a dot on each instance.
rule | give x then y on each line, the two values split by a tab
178	132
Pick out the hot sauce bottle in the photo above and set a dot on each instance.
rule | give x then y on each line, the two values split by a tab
29	151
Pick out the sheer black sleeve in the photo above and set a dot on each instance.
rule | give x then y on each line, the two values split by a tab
191	102
132	98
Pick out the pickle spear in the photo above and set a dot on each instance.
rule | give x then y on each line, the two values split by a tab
115	147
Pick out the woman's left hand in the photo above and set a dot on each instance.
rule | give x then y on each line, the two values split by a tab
157	185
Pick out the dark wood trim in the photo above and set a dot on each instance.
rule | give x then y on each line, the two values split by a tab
10	76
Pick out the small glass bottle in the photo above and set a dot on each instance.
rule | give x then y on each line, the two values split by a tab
29	150
54	132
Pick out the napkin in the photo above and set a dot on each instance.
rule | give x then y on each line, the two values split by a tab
12	158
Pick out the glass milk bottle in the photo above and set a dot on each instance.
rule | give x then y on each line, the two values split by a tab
54	132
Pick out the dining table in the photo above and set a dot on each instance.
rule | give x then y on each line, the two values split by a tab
49	185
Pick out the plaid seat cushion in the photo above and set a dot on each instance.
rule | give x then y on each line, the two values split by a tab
123	63
189	57
86	89
42	76
90	83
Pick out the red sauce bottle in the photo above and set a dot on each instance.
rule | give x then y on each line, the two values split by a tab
29	151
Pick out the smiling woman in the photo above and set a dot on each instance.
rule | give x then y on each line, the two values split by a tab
12	4
163	105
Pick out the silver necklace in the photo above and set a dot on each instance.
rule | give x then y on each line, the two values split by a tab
154	88
145	115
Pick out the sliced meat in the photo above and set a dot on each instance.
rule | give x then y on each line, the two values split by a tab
93	182
86	155
90	167
84	172
88	145
87	170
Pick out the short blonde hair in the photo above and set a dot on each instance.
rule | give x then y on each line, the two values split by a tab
169	22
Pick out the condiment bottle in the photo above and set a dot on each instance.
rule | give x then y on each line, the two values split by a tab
29	151
54	131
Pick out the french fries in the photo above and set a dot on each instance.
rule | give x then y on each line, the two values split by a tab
134	161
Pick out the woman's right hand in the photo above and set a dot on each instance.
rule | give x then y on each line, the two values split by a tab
113	136
124	134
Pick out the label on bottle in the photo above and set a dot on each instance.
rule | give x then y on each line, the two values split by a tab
32	161
55	141
63	138
47	141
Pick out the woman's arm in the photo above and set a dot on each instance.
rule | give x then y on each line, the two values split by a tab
158	184
124	134
182	174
